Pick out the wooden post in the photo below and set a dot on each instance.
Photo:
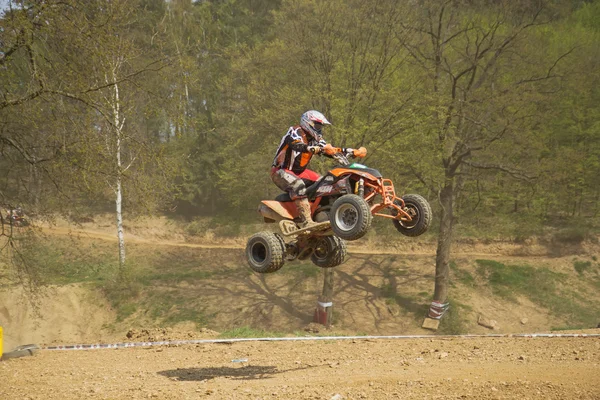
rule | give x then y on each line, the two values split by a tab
324	310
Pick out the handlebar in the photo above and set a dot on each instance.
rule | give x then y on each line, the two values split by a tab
339	155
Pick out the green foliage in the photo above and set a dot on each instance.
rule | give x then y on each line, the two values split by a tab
229	91
454	322
174	277
198	227
187	102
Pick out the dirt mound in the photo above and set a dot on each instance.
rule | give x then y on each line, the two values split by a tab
168	334
64	314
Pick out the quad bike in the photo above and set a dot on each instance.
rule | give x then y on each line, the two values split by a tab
16	217
343	202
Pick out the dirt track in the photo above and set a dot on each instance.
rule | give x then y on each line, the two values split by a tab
472	368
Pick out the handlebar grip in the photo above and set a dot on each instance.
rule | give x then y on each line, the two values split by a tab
361	152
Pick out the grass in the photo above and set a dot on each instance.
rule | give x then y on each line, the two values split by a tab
453	322
416	305
304	269
517	228
65	263
582	266
575	235
138	287
461	275
248	332
542	286
176	277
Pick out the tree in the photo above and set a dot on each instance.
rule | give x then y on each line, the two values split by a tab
114	142
485	84
90	76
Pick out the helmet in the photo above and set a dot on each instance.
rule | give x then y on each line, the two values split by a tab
312	122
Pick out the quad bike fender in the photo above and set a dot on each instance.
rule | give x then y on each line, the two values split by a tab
282	210
278	210
337	172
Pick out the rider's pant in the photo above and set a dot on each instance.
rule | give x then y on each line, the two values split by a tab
294	184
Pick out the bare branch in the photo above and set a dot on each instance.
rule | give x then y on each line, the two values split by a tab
517	174
549	73
421	179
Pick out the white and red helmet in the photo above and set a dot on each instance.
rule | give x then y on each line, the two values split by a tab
312	122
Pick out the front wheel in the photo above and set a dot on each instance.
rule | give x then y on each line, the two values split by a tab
265	252
330	251
420	211
350	217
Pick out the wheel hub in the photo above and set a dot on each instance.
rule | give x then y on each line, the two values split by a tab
346	217
259	252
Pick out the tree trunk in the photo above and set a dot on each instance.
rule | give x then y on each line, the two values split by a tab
327	295
119	187
442	261
120	235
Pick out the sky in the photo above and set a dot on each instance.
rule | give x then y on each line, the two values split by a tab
3	5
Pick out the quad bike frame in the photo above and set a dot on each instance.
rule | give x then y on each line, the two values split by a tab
384	188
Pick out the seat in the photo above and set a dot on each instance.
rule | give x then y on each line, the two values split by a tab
285	197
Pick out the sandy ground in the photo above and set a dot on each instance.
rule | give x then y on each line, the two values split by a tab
457	368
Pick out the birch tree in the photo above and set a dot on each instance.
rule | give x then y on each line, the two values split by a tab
117	101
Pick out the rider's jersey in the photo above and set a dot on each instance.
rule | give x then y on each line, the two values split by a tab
293	153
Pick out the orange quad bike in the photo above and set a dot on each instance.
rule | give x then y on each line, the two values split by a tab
343	202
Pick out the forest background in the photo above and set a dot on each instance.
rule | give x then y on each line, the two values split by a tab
489	109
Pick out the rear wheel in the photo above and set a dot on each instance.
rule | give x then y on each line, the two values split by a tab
420	211
265	252
350	217
330	251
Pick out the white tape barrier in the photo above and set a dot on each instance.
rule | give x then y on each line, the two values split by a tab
307	338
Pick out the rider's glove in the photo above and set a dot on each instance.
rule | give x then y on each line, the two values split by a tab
314	149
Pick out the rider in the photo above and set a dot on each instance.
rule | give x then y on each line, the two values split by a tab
295	151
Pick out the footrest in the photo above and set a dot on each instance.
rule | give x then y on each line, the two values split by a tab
289	228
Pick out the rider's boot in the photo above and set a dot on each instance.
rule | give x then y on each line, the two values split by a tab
306	220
